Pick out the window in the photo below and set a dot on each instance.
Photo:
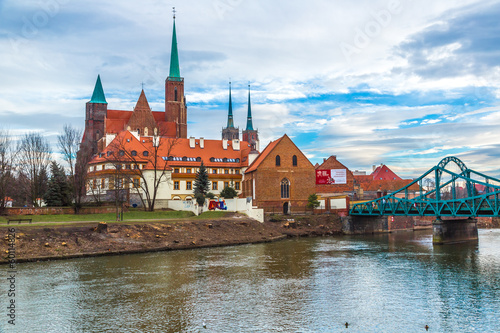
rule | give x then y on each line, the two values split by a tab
176	170
214	171
108	153
237	186
102	183
128	166
237	171
145	153
137	182
121	153
176	185
214	185
188	170
278	160
119	183
294	160
226	184
189	185
175	94
133	153
139	131
226	171
285	189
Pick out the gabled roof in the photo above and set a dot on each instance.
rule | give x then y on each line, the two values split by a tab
263	155
382	172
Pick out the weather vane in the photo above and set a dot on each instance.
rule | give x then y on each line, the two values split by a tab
173	11
142	84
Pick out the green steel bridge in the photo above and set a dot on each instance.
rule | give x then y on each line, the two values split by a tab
452	193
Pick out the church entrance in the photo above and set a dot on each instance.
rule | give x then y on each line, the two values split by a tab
285	208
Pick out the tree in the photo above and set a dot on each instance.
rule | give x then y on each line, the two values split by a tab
141	164
201	185
34	158
83	158
69	143
59	192
312	201
7	156
228	192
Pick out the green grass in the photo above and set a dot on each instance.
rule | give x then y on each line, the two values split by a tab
212	215
135	215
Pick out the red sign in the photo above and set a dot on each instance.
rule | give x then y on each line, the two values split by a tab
323	177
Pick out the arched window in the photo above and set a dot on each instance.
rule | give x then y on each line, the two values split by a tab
294	160
175	94
285	189
278	160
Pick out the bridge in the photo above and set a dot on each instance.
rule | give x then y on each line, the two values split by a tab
448	194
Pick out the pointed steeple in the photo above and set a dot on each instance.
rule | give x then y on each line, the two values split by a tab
142	102
142	119
249	116
230	123
98	95
175	71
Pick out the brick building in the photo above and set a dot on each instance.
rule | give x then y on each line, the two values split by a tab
281	178
332	188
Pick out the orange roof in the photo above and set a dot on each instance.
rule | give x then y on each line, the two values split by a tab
263	155
175	152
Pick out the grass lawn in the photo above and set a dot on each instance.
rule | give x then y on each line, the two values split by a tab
133	215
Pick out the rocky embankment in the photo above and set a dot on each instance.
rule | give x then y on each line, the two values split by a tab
34	243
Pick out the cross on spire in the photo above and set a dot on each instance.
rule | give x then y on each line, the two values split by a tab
142	84
173	11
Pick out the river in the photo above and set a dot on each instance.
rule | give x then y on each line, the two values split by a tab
395	282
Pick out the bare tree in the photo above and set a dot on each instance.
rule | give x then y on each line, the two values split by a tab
135	166
69	143
34	159
7	156
83	157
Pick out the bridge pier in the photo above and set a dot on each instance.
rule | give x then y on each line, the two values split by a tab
454	231
357	225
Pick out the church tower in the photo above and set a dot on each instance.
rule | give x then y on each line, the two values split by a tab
175	101
95	116
230	132
249	134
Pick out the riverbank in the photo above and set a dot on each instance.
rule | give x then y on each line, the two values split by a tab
36	243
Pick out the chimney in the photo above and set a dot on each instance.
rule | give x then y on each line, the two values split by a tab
236	144
191	142
374	167
224	144
202	143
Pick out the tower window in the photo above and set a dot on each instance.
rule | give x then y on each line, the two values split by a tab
278	160
294	160
175	94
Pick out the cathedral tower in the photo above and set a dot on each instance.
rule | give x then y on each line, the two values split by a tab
175	101
95	116
230	132
249	134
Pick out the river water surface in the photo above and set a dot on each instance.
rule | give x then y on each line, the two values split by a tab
384	283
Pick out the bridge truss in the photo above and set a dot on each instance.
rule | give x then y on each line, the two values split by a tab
453	194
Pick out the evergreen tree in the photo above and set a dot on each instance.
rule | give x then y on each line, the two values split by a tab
201	184
229	192
58	192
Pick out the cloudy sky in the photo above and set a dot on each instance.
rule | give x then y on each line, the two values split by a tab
404	83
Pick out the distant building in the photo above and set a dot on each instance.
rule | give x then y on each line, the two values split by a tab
381	182
344	184
281	178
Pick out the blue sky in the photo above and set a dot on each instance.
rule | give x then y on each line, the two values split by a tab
403	83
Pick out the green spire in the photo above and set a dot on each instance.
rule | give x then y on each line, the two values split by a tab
175	72
98	95
249	116
230	123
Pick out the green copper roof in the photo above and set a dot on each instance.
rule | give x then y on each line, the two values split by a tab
249	116
174	57
230	123
98	95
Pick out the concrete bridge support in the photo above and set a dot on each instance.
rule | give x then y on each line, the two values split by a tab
357	225
454	231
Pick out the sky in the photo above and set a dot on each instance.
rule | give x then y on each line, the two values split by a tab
399	82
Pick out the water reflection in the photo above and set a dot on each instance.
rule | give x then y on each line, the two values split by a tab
382	283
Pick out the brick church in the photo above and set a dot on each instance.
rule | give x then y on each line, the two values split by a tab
128	135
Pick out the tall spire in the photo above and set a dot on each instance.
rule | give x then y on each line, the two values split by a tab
175	71
230	123
98	95
249	116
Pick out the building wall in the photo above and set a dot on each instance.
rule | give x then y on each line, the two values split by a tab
333	163
268	178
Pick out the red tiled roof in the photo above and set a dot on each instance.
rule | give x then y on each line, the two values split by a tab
178	148
382	172
263	155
